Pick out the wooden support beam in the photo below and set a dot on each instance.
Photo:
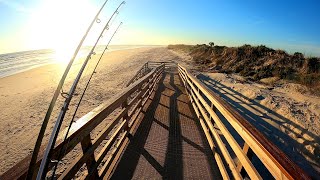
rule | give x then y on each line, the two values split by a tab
248	151
85	145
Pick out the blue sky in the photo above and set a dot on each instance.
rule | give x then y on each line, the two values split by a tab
290	25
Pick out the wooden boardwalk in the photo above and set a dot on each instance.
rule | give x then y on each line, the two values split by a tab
164	127
169	143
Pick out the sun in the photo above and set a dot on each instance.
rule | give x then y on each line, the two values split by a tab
63	54
60	24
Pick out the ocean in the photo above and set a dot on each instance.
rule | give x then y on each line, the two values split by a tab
12	63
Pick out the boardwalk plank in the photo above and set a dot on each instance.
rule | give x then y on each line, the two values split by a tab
169	143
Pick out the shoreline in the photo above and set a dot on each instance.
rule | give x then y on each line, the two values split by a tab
127	47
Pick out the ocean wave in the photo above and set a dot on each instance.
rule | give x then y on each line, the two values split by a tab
12	63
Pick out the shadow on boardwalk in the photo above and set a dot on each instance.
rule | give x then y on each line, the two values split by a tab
169	143
268	122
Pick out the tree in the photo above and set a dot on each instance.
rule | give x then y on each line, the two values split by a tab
211	44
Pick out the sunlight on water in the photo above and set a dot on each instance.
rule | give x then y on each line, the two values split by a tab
63	55
13	63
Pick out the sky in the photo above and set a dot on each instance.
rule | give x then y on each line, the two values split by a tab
59	24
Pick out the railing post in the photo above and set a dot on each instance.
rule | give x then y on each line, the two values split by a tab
125	116
213	107
146	66
144	69
248	151
149	86
85	145
140	89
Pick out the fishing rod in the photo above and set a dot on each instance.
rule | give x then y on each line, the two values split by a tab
44	125
56	128
82	95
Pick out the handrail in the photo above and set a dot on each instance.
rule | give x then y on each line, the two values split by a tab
207	104
168	64
129	103
141	72
146	68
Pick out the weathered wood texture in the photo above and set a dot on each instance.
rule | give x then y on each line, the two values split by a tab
206	104
169	143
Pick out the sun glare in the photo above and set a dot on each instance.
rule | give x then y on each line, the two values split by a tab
63	54
60	25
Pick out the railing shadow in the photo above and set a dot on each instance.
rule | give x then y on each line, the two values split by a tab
214	169
173	163
268	122
165	156
135	149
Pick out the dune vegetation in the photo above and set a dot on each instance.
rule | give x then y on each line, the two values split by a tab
256	62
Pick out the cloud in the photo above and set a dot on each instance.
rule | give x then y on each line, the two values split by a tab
16	6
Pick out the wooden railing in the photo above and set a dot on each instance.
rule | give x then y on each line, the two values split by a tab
141	72
168	64
209	108
127	106
146	68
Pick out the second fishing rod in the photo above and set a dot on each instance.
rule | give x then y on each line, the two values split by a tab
46	158
32	164
64	143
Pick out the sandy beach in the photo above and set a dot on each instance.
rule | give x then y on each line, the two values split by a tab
25	96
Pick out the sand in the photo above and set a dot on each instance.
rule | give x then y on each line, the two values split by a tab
25	97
